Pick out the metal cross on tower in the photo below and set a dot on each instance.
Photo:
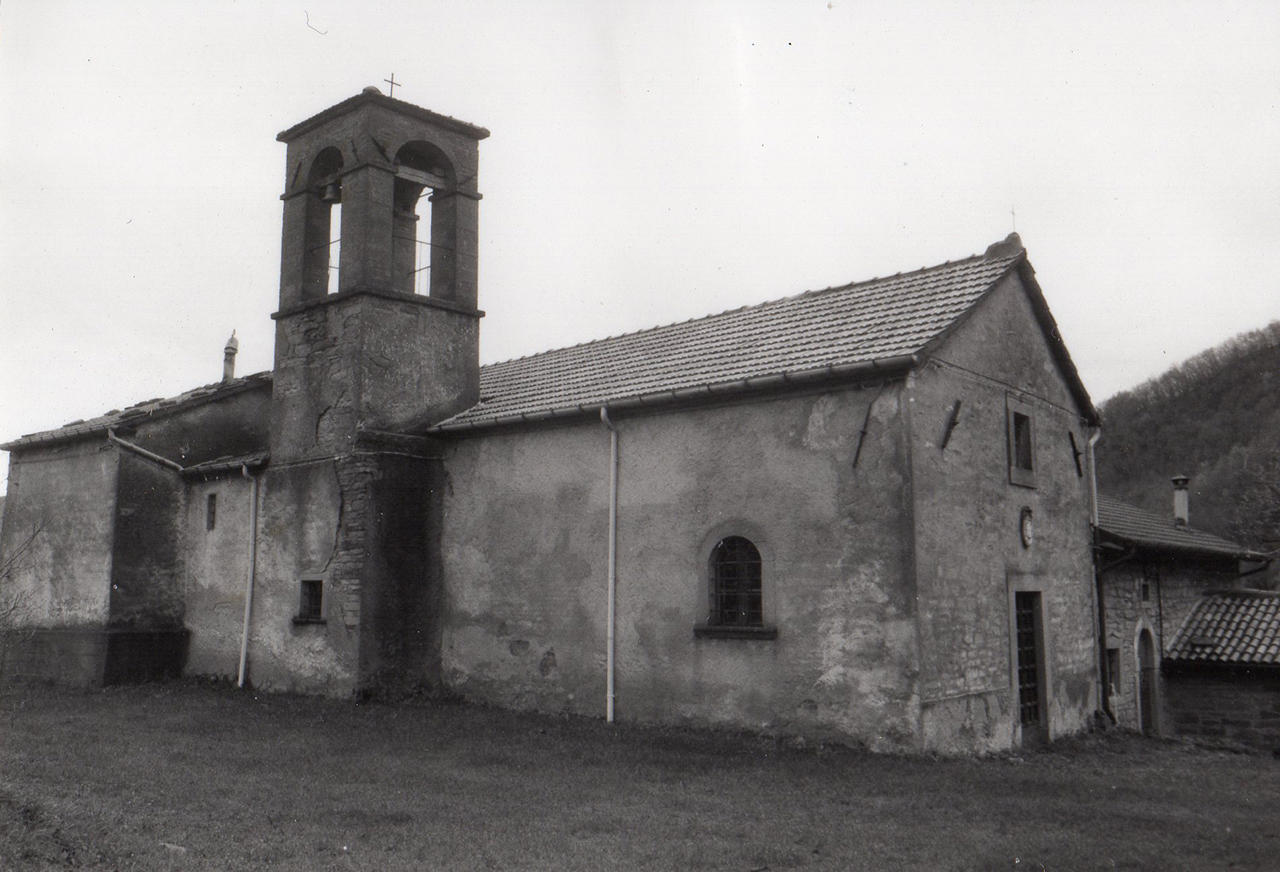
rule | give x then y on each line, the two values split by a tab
392	82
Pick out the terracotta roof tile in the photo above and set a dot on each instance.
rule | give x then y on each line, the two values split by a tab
877	320
228	463
1141	527
1238	626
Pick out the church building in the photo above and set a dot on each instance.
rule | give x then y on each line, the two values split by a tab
859	513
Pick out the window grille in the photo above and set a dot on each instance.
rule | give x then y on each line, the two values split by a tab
1027	606
737	596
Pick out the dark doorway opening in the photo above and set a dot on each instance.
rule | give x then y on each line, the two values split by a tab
1147	707
1032	713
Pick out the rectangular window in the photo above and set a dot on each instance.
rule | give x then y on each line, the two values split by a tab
1022	443
311	601
1113	671
211	511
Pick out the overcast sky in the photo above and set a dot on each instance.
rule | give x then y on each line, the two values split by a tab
649	163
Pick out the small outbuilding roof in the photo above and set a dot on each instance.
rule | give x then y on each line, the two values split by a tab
1145	529
864	328
139	412
1231	627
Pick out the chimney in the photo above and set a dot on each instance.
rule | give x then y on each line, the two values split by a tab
1181	501
229	358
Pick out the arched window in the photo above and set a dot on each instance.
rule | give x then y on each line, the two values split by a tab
736	584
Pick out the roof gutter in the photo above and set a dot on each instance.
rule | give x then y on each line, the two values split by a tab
142	452
1193	550
36	440
716	390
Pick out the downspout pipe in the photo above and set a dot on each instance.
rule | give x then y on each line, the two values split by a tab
611	599
1104	671
249	579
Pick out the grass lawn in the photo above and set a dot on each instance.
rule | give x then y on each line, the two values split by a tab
183	776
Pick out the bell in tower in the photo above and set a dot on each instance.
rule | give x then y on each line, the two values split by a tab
381	193
399	327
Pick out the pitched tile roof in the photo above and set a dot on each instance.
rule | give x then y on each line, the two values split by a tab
1150	530
880	322
139	411
1237	626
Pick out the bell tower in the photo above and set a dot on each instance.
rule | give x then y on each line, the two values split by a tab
393	343
377	338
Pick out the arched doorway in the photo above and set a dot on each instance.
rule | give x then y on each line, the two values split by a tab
1147	706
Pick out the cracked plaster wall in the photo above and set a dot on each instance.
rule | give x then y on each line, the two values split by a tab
525	567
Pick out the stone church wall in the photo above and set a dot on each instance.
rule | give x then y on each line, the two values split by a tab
525	525
217	560
68	493
970	559
298	538
146	559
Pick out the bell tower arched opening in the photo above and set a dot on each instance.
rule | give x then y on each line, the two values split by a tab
323	230
423	261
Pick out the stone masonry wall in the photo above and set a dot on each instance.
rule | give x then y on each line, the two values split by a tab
970	557
1173	588
1223	703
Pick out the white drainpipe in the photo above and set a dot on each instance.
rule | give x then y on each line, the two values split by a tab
253	557
1093	477
613	561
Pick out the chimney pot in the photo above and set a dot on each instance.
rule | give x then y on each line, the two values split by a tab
229	358
1181	500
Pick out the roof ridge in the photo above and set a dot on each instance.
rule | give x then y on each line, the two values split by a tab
128	414
813	292
1170	525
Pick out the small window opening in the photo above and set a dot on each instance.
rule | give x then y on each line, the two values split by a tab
211	511
311	601
1022	444
1150	575
1022	441
737	596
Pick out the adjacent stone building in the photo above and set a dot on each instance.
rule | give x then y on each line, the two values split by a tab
1156	572
857	513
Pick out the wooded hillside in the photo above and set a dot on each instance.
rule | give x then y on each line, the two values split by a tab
1214	417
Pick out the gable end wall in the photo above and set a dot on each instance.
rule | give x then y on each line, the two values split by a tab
970	557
